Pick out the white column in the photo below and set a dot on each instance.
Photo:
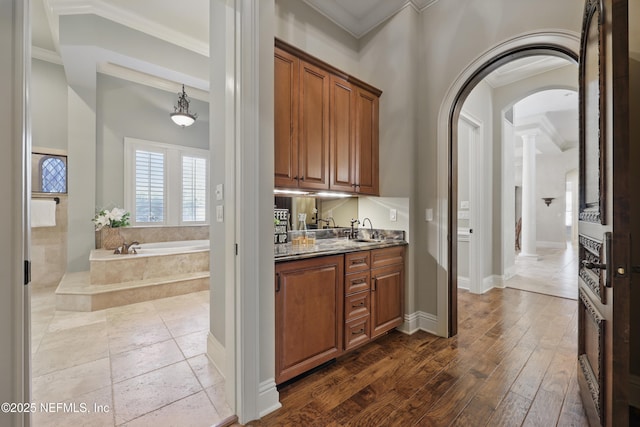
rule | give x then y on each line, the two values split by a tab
529	195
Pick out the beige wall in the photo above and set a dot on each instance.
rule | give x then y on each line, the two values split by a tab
49	248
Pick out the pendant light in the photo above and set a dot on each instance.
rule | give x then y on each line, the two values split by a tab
181	116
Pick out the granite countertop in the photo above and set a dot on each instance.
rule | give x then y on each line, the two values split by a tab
336	246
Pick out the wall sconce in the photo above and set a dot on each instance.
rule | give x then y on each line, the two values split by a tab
548	200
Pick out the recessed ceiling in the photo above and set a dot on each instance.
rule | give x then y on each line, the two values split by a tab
523	68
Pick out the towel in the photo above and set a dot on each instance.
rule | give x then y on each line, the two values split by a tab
43	213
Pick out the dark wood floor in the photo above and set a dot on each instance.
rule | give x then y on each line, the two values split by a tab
513	363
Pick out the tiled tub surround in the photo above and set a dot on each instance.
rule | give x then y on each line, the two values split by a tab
160	234
156	271
333	241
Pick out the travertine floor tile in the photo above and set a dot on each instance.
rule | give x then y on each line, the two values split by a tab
136	362
148	392
193	344
94	409
193	411
71	383
205	371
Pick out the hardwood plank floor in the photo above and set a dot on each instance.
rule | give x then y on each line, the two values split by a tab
513	363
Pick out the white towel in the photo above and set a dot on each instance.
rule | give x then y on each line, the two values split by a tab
43	213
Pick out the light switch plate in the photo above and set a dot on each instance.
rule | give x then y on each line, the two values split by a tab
219	192
428	214
219	213
463	214
464	204
393	214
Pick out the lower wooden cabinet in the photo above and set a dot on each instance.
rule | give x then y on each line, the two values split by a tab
328	305
309	314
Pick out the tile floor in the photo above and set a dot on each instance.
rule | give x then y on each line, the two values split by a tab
144	363
554	273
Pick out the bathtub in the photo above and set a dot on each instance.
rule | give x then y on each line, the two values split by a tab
179	246
153	260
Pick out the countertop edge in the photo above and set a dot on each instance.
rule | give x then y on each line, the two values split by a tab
341	251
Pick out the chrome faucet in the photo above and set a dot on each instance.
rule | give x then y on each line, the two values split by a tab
354	232
327	221
126	249
372	233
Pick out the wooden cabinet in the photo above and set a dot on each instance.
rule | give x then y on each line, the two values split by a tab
326	126
328	305
301	123
309	314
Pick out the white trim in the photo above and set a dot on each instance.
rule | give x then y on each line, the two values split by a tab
464	234
568	39
463	282
490	282
509	272
123	17
268	397
217	354
46	55
419	321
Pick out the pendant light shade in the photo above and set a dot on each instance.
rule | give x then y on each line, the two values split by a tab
181	115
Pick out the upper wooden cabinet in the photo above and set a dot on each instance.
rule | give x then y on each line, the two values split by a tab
326	126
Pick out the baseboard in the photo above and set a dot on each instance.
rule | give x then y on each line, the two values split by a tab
634	391
419	321
509	272
463	283
552	245
268	397
490	282
216	353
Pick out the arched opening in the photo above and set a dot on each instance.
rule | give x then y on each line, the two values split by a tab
559	45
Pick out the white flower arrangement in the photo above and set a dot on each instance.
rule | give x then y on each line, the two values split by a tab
114	218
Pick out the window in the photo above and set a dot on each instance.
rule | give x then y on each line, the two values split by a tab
165	184
49	173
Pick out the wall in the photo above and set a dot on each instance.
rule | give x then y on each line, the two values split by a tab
49	134
127	109
454	33
49	106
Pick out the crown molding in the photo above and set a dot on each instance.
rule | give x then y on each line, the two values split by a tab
46	55
360	26
145	79
56	8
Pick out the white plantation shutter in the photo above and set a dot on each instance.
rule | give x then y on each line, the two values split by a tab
150	185
194	189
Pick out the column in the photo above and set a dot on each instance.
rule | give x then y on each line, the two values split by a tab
529	196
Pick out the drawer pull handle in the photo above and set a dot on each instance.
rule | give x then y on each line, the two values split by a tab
359	282
373	283
358	305
358	332
278	282
358	261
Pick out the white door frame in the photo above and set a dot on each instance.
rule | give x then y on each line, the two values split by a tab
477	201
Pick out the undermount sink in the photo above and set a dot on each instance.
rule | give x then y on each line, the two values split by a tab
368	240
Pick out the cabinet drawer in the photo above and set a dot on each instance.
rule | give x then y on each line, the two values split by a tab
357	261
387	256
356	305
356	332
357	282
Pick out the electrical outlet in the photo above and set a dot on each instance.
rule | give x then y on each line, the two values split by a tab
219	192
464	204
393	214
463	214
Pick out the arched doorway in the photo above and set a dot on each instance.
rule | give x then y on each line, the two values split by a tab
554	44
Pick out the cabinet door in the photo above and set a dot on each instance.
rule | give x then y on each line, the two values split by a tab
387	298
286	95
309	314
313	137
342	135
367	163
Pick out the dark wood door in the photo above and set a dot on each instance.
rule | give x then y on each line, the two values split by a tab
367	162
309	314
607	213
313	136
286	95
387	295
342	135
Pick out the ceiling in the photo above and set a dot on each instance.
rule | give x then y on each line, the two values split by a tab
170	22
